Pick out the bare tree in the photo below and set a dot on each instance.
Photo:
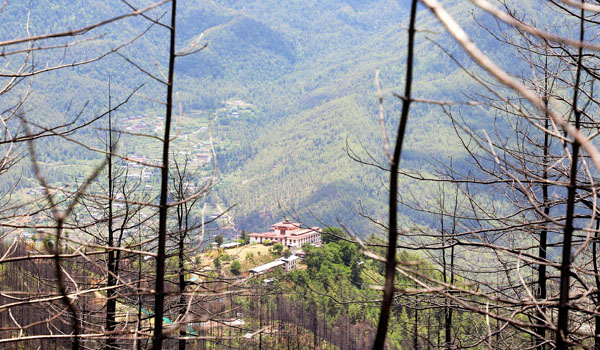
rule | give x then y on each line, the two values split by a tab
514	167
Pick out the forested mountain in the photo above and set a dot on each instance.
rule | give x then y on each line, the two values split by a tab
147	145
307	69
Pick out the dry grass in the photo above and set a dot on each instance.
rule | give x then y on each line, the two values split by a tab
261	255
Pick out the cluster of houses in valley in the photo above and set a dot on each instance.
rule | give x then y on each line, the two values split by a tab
141	123
291	235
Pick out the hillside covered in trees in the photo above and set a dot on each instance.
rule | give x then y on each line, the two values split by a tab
335	174
305	80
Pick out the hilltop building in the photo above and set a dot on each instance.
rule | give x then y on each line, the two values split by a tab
290	234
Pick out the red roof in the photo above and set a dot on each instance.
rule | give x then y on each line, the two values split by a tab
302	234
291	230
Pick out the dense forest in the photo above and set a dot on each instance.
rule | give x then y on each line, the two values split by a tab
339	174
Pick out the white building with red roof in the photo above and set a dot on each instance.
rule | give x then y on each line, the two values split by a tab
290	234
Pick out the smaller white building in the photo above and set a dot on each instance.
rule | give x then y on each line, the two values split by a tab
288	265
230	245
259	270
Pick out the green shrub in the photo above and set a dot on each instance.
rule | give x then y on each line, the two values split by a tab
236	267
277	248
